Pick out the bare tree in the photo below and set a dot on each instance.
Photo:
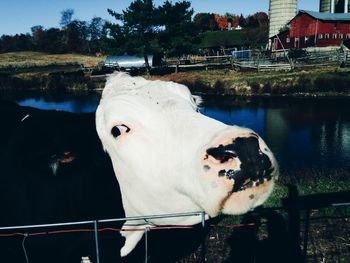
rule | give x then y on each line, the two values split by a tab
66	17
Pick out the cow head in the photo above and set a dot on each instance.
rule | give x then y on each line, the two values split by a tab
170	158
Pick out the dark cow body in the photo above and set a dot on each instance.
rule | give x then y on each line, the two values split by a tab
53	169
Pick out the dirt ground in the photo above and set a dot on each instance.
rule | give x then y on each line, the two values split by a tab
269	240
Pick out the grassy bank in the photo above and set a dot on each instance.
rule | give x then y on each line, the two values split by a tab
326	81
40	59
35	69
41	71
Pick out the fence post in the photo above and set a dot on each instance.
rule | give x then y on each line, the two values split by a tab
306	233
96	242
203	250
203	219
293	210
146	244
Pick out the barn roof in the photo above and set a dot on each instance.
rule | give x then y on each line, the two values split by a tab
327	16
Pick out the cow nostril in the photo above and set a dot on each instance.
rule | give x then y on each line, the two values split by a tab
222	153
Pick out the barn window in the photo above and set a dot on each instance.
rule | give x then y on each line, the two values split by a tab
296	39
326	35
287	40
347	36
320	36
341	36
306	38
334	36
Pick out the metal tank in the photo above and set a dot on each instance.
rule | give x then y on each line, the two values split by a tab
280	13
334	6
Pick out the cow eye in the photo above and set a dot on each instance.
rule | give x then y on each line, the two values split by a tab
119	129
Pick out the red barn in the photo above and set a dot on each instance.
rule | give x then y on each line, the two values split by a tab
313	29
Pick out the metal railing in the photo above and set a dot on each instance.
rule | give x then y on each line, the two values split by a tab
291	206
95	223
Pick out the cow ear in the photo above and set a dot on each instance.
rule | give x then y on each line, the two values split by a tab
118	130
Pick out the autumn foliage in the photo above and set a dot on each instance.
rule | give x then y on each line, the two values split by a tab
214	22
221	22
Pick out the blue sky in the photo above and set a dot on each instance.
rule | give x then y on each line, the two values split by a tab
18	16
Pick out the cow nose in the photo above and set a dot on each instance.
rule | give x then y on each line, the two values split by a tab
255	166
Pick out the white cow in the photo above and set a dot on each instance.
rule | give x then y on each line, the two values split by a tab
169	158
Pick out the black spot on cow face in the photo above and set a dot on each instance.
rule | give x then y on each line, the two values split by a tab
255	166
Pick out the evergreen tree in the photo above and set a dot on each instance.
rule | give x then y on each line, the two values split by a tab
242	21
138	27
179	35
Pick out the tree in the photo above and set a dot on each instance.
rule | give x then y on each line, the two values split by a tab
235	21
66	17
242	21
23	42
95	31
146	29
77	34
221	22
177	34
6	43
112	39
18	42
37	34
138	25
52	41
255	37
262	18
251	21
206	22
95	28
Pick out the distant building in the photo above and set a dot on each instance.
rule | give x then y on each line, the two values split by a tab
313	29
280	13
238	27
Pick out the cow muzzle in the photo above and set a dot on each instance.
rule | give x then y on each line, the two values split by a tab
244	162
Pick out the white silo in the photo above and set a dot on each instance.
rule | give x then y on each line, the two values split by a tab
334	6
280	13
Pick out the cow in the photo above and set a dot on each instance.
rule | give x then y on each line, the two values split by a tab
53	170
169	158
162	157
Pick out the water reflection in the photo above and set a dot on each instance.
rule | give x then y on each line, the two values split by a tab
302	133
77	102
77	106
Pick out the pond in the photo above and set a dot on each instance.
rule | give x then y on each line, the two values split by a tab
304	133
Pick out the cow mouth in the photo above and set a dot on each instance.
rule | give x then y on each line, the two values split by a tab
241	184
254	166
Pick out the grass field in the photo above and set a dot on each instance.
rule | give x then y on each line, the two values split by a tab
322	81
40	59
328	80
